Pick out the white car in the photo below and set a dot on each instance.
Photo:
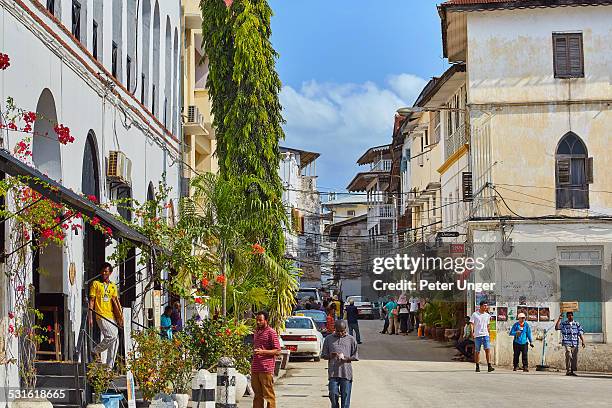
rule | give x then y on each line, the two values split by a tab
364	306
302	338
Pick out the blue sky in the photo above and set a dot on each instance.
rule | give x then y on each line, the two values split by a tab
346	66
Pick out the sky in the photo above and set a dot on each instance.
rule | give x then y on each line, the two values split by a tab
346	67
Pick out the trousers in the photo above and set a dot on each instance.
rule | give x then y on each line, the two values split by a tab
109	342
340	388
571	358
518	350
263	386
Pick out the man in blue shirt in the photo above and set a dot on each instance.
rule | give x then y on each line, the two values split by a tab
571	330
352	317
166	323
393	320
522	333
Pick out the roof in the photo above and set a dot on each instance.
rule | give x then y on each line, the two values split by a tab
362	179
334	229
306	157
346	199
58	193
498	4
373	154
436	84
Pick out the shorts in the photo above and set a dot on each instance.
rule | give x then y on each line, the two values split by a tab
481	341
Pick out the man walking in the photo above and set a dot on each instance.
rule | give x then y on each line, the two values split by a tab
522	334
265	349
571	330
414	313
352	317
102	298
340	349
480	332
391	310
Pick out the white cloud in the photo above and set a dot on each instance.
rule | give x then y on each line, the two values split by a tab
341	121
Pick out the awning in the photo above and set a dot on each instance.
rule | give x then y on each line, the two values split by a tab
54	191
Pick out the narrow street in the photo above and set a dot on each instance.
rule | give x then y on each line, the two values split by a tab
406	371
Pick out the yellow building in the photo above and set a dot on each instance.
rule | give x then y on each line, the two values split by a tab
198	133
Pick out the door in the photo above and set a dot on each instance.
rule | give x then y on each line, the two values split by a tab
583	284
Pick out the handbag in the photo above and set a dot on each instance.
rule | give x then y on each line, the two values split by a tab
394	312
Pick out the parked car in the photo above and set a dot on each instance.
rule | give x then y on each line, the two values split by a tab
364	306
302	338
318	316
304	294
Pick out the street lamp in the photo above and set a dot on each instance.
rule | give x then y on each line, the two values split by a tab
407	111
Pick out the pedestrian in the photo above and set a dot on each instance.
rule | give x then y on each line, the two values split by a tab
330	319
403	313
177	321
392	312
340	349
352	317
465	340
414	313
166	323
266	347
480	332
571	330
103	301
522	333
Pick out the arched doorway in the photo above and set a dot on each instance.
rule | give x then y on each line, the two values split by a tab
127	270
93	240
48	262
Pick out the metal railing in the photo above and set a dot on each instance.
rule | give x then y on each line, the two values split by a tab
382	211
454	141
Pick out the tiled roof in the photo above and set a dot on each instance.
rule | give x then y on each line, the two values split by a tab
516	3
479	1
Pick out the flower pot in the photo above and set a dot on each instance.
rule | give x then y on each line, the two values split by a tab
30	403
182	400
241	386
111	400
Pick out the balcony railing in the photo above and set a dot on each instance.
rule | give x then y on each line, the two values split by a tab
381	211
382	165
454	141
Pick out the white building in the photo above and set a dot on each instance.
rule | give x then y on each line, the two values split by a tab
109	70
303	202
539	96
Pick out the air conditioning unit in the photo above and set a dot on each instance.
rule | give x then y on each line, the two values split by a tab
119	167
194	116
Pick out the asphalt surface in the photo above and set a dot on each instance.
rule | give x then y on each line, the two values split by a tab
402	371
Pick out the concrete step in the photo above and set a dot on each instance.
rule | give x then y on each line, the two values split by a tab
58	368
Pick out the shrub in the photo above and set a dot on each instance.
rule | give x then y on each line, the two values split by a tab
151	363
99	376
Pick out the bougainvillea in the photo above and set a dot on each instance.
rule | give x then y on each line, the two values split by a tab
5	61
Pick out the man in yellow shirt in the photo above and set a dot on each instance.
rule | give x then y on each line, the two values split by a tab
102	294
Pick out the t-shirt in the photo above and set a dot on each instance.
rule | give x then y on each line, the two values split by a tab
352	314
414	304
266	339
481	323
345	345
390	306
166	324
102	293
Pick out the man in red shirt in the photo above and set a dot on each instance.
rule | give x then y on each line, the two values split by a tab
265	349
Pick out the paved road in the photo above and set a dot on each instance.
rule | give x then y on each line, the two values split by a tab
406	371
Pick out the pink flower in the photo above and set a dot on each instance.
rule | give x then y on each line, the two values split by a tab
109	231
92	198
95	221
47	233
198	300
11	329
11	315
20	288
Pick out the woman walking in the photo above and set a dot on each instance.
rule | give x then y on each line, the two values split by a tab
522	333
404	313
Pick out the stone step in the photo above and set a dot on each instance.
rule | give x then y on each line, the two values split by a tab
58	368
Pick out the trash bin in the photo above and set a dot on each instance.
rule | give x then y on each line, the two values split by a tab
111	400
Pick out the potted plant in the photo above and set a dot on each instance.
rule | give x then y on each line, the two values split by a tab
181	367
99	376
150	364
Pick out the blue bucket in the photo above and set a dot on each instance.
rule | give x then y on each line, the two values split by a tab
111	400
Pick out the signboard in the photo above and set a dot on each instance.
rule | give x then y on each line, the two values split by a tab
127	341
448	234
457	248
157	308
569	307
466	182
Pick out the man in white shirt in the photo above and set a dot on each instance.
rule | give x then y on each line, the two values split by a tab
480	333
414	314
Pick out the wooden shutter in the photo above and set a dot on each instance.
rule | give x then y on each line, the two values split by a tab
467	186
560	55
575	55
589	170
563	171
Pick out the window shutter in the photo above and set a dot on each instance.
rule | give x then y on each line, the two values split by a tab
563	171
589	170
560	55
575	56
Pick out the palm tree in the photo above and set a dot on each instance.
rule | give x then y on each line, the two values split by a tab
229	220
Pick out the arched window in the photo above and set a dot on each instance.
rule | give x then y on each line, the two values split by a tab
145	28
574	172
168	75
117	45
54	7
156	50
45	146
130	61
175	84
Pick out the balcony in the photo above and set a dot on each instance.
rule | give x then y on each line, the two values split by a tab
383	165
381	211
454	141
